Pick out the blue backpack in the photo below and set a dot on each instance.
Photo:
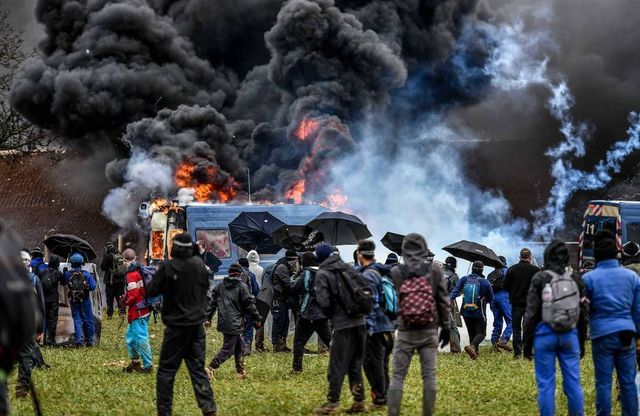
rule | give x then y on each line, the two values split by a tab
154	303
388	297
471	294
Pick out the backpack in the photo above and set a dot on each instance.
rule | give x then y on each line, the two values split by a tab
78	287
354	293
496	278
47	279
471	294
151	302
388	297
118	267
563	312
417	306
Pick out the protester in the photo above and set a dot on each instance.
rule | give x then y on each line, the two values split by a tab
285	269
37	264
233	301
50	280
421	289
349	332
211	261
550	337
380	329
311	318
614	295
477	293
254	289
451	279
114	268
30	353
501	309
631	256
183	283
257	270
137	335
517	282
392	259
80	284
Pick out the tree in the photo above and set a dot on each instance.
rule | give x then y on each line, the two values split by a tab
16	133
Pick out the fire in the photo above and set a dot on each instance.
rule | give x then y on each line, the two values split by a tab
214	188
203	192
296	191
157	245
336	201
306	128
184	175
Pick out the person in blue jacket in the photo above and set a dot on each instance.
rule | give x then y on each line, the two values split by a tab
501	308
614	295
37	261
81	310
477	293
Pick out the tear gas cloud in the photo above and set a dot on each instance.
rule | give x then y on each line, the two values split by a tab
425	116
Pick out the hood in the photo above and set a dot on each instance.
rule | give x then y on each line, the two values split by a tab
415	252
253	257
556	256
333	263
231	281
36	262
54	262
133	266
181	252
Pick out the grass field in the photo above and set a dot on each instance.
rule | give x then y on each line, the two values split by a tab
91	382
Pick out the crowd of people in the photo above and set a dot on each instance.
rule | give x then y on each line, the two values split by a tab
373	317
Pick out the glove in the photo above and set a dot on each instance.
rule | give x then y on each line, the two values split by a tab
257	324
207	324
445	337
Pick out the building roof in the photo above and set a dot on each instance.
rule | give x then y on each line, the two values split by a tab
54	192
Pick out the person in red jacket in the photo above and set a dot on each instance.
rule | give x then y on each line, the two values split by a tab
137	336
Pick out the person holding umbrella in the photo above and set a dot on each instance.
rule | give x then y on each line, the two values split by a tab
282	289
477	292
80	284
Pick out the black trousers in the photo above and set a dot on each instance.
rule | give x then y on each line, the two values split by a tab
27	361
376	364
304	329
51	310
517	315
345	358
280	327
113	293
477	330
188	344
4	399
231	345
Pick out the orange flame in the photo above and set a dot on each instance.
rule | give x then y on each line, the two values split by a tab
205	191
157	245
296	191
306	128
336	201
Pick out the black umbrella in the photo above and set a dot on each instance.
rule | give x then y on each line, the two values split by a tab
64	245
297	237
339	228
393	242
468	250
252	231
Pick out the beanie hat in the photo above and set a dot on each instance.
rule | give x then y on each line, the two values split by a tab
291	254
235	269
630	249
129	254
477	266
183	240
243	261
604	245
392	258
323	251
37	253
451	262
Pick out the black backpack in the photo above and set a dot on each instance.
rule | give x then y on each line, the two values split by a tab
496	278
354	293
78	287
48	279
118	268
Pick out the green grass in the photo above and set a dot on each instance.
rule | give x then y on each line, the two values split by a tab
91	382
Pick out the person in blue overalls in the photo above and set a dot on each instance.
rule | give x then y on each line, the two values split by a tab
80	284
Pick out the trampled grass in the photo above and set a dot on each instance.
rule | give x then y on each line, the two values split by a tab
91	382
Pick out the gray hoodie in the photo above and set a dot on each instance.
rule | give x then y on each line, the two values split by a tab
254	265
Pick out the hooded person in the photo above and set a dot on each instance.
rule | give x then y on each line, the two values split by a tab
501	309
282	282
451	278
137	335
233	301
80	284
346	353
614	319
254	265
421	336
114	268
391	260
476	295
183	283
51	279
251	281
548	344
38	264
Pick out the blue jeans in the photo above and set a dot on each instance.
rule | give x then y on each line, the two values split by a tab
83	324
137	340
247	335
566	348
501	309
280	328
608	352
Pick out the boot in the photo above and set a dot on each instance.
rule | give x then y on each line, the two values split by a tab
329	408
428	402
358	407
134	365
260	342
504	345
394	398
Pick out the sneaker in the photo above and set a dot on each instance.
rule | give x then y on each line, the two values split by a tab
242	375
146	370
358	407
471	352
133	366
329	408
504	345
211	373
296	371
494	348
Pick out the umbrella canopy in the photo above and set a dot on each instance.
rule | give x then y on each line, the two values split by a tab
252	231
393	242
64	245
339	228
468	250
297	237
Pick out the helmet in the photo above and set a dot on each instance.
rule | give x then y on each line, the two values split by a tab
76	259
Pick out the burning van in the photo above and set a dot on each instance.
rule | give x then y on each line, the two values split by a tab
209	222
